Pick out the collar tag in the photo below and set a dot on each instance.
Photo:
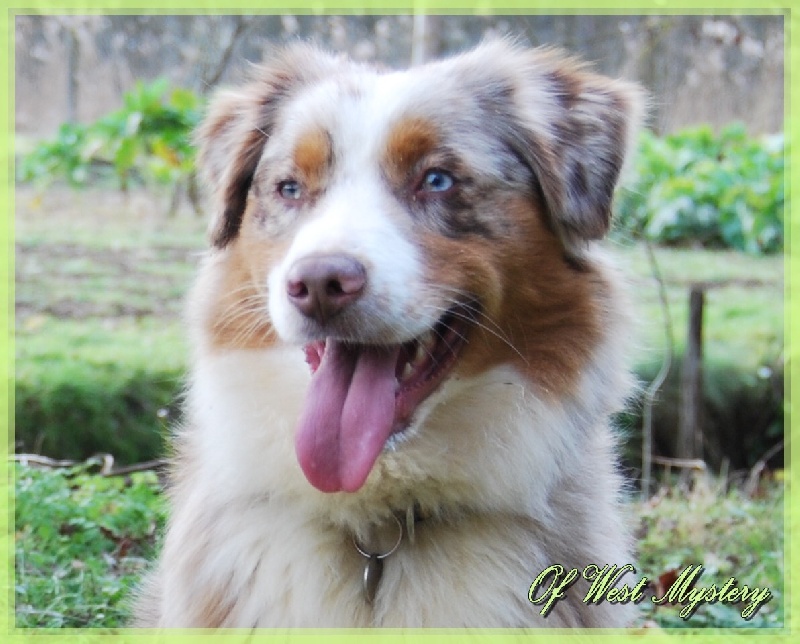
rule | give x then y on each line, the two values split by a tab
373	569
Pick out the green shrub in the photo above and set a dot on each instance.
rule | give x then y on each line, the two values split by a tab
742	414
88	412
148	139
715	191
86	386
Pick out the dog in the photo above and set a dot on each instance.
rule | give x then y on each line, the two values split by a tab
408	344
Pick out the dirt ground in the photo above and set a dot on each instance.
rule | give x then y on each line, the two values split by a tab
101	253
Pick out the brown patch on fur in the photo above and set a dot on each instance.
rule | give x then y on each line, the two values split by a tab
236	314
540	313
312	157
409	141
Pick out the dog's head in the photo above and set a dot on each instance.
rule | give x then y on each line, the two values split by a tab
412	228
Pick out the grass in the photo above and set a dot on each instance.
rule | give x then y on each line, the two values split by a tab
106	257
83	540
100	348
743	315
743	349
729	533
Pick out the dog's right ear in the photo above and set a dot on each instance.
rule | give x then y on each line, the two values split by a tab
237	126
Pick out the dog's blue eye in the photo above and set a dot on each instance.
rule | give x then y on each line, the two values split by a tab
290	190
437	181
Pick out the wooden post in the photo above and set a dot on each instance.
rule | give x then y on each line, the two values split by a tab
690	431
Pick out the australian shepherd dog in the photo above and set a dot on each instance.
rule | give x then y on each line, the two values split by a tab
407	347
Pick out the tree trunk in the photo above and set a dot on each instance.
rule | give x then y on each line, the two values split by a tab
426	38
73	65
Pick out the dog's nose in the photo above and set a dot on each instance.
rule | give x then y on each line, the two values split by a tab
321	286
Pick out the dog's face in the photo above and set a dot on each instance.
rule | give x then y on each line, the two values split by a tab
409	229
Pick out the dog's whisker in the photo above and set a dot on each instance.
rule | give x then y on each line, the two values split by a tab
471	319
499	336
246	306
497	331
246	333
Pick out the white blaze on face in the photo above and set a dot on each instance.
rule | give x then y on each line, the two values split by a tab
355	402
356	215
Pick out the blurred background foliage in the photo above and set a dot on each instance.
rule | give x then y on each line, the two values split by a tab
699	69
708	190
147	140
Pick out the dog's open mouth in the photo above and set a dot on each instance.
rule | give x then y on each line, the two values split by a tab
360	395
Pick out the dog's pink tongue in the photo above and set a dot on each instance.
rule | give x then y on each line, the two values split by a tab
348	416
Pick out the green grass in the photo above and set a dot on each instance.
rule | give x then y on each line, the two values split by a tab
103	258
726	531
743	315
100	347
104	219
743	349
82	540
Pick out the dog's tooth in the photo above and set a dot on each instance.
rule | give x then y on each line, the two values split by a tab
407	371
419	355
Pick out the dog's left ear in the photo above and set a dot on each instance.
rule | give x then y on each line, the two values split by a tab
239	122
230	141
574	129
